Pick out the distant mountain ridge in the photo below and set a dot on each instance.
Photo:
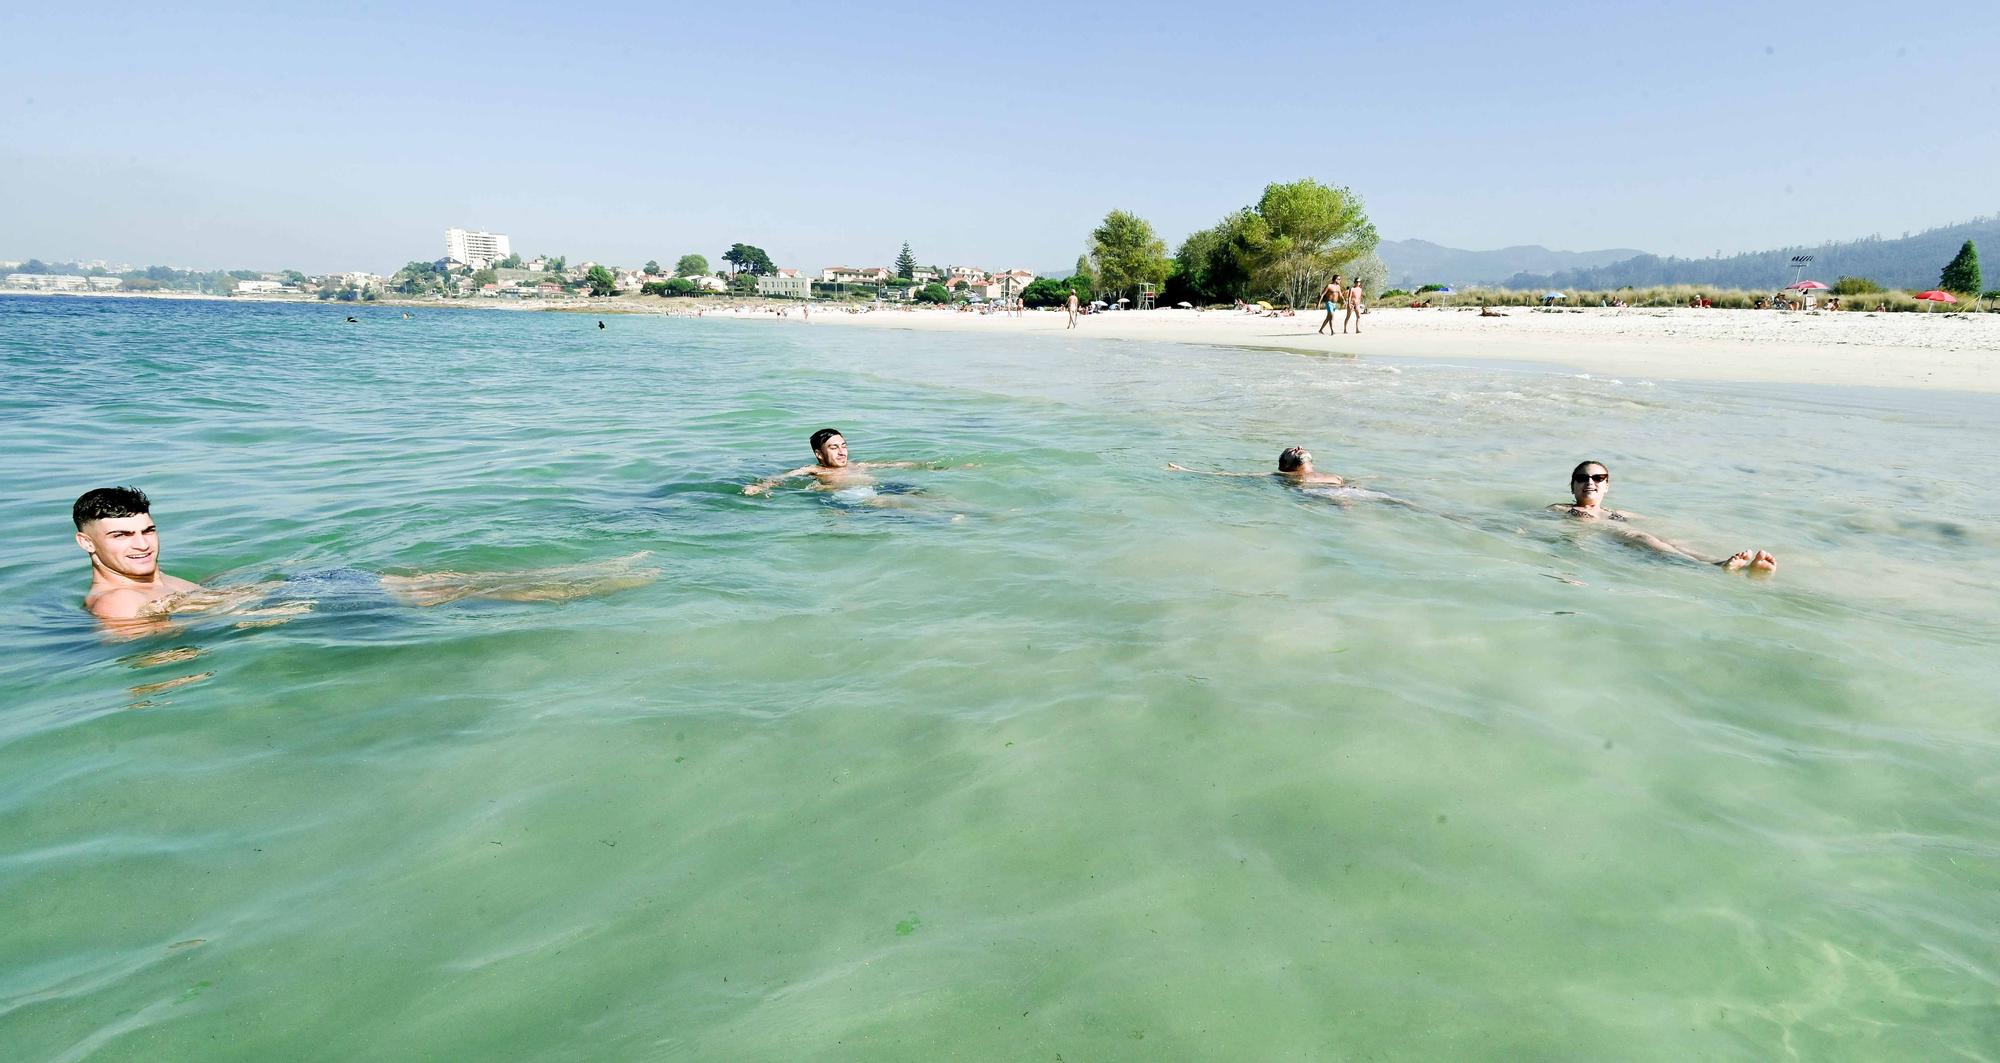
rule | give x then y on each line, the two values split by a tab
1911	262
1416	262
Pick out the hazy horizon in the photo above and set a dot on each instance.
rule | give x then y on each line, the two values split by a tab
352	139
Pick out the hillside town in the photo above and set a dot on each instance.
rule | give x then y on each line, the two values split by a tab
477	264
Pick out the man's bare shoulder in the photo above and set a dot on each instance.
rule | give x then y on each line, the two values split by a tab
125	603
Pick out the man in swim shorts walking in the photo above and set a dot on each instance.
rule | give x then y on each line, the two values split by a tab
1331	294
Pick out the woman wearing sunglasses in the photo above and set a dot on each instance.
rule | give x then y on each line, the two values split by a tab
1588	484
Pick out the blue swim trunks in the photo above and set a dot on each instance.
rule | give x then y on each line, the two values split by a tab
343	589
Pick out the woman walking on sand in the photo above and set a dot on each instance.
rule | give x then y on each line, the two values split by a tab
1353	308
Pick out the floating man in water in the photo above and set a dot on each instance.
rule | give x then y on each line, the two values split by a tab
130	592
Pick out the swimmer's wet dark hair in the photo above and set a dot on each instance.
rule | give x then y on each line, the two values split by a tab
1578	471
103	503
820	437
1291	458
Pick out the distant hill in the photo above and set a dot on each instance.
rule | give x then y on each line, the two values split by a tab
1911	263
1416	262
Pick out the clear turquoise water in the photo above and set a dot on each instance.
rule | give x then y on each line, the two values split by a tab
1125	764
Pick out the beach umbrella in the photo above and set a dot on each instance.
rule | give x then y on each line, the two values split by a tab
1935	295
1806	286
1185	305
1262	305
1555	295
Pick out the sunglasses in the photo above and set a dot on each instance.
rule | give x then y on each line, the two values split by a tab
1593	477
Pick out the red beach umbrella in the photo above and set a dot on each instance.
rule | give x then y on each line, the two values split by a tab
1935	295
1806	286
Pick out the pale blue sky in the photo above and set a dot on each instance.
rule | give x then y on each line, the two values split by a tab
350	135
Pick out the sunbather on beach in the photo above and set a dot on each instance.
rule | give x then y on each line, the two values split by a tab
128	590
1591	481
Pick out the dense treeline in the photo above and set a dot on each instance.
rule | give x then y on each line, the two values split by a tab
1283	247
1911	263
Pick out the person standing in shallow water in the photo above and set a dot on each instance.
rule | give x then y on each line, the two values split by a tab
1590	481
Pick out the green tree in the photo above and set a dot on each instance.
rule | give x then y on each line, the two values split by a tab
556	264
681	286
1961	274
1211	266
1125	253
691	266
483	277
512	261
652	268
294	277
743	258
1083	271
33	265
933	293
1314	230
744	282
417	278
602	281
906	263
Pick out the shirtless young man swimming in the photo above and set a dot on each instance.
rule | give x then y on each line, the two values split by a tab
835	472
1591	481
114	525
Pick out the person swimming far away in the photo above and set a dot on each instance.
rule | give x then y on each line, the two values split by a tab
1295	465
1295	469
835	471
132	595
1590	481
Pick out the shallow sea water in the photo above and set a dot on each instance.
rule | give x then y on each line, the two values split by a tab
1123	764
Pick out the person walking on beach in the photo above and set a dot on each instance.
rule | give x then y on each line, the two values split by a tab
1590	481
128	590
1353	308
1332	295
1070	305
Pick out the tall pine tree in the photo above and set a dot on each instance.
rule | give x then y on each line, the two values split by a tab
1961	276
906	263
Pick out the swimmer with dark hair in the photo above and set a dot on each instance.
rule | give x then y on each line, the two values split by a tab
1590	481
1295	465
132	595
847	479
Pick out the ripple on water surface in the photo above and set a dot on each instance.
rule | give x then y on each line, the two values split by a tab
1075	755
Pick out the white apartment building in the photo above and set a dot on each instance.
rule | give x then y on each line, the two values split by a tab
476	249
792	287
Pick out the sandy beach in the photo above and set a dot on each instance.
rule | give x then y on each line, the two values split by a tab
1943	352
1936	351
